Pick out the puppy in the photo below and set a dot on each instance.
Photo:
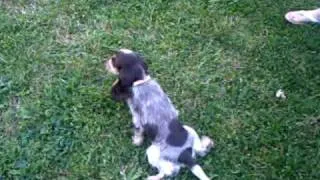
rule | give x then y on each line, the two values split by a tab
154	116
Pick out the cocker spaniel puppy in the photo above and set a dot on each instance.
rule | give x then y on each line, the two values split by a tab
154	116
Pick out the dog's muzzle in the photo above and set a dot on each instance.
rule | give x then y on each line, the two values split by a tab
110	68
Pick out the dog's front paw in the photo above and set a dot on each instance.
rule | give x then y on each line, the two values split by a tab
137	140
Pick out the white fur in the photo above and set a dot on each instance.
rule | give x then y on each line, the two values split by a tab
197	171
207	142
200	146
127	51
156	177
165	168
111	68
137	140
153	155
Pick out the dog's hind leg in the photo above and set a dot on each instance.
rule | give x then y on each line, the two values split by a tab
165	168
153	155
200	146
187	159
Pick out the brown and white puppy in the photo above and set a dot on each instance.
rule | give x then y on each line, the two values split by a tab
154	116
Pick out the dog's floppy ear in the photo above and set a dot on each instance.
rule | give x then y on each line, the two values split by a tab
142	61
127	76
120	93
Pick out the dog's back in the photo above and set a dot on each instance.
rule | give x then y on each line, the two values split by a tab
159	118
153	108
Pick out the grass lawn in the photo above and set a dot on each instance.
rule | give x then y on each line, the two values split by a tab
220	61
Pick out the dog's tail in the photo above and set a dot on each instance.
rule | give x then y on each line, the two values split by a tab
200	146
187	159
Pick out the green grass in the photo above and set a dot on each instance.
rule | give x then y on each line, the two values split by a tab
221	62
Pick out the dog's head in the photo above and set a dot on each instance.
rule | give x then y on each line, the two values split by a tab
129	67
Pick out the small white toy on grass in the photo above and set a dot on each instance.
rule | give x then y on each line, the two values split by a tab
280	94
